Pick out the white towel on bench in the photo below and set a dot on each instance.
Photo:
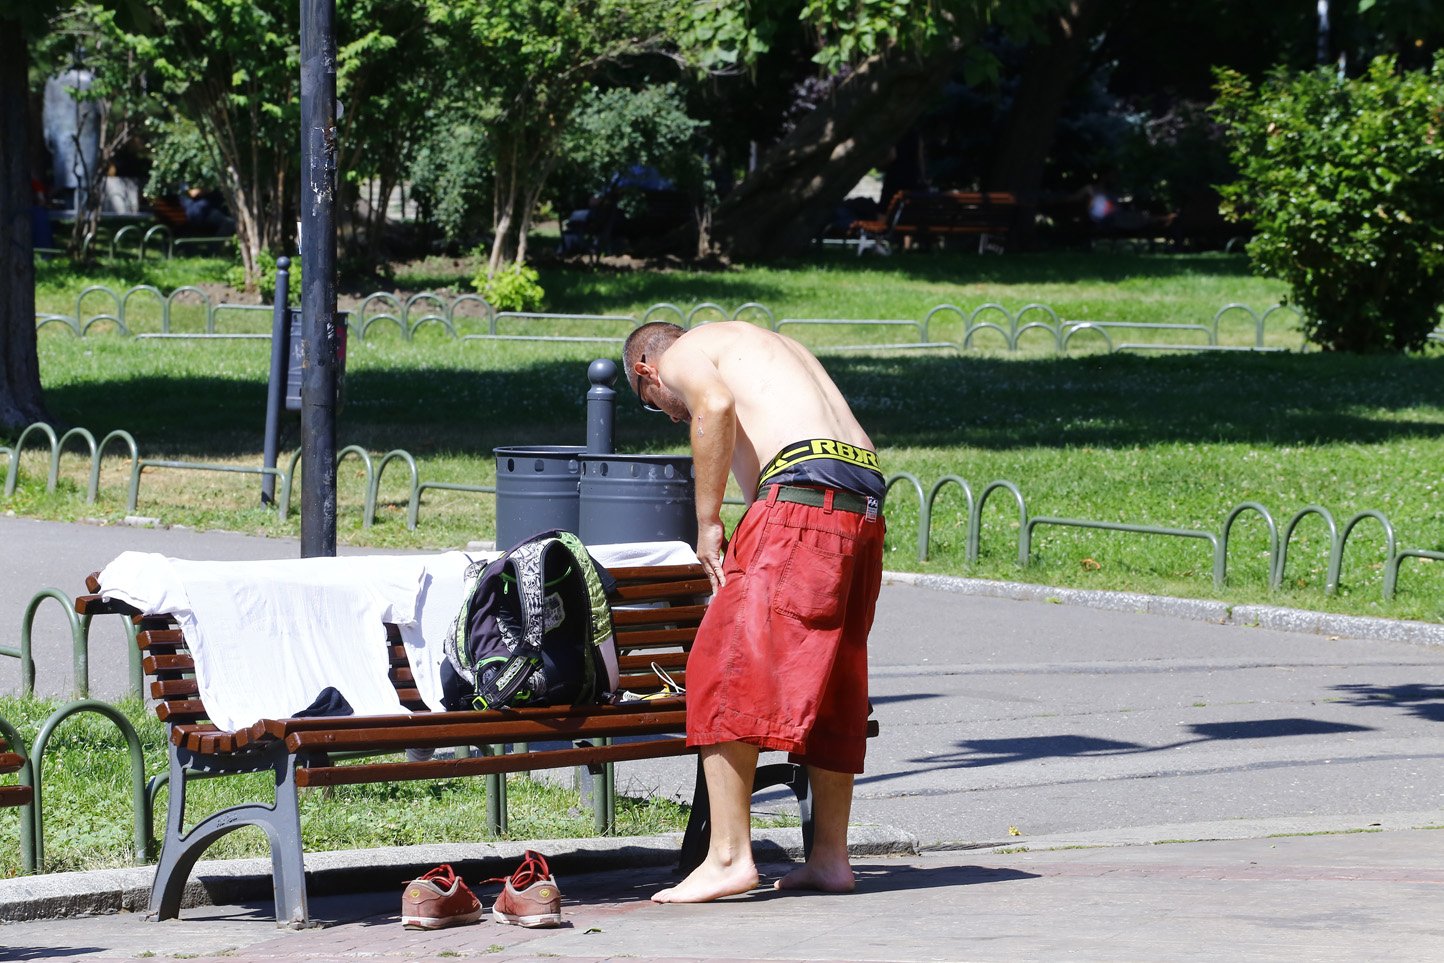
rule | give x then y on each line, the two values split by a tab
268	636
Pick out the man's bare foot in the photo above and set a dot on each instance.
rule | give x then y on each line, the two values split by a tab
829	878
710	881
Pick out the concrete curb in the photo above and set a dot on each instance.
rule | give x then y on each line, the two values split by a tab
1206	610
221	882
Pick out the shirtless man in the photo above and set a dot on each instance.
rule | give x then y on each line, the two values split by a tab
780	660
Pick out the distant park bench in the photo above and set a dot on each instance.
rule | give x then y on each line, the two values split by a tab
922	216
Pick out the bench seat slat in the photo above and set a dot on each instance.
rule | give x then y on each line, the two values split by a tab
486	765
16	795
578	725
10	761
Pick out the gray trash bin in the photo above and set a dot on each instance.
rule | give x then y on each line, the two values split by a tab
637	498
536	490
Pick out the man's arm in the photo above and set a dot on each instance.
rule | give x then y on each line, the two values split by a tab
694	376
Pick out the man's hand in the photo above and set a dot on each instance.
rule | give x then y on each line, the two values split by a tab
711	543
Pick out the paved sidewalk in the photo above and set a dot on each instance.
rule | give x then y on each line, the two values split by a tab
1051	721
1347	898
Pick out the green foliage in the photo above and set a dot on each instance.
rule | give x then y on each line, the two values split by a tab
723	34
1344	183
265	277
612	130
513	288
451	172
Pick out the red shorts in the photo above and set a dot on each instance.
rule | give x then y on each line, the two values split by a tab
780	660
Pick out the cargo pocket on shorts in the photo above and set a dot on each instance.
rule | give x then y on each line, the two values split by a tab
813	580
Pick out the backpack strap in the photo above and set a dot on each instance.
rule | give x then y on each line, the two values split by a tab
526	563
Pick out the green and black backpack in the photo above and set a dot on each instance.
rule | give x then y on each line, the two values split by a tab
535	630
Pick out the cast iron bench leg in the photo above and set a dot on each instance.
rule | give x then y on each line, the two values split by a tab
281	823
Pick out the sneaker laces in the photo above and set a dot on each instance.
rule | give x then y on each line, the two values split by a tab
443	876
533	869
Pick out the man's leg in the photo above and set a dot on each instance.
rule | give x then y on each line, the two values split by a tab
828	868
728	768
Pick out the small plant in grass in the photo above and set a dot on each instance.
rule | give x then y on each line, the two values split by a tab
516	287
1343	180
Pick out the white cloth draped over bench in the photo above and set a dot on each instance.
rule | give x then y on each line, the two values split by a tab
268	636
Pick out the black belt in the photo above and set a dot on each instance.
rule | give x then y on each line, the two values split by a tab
843	501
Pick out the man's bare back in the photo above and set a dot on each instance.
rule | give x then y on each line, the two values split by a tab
780	392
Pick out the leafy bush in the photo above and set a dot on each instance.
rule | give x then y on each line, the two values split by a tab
1344	183
515	287
266	277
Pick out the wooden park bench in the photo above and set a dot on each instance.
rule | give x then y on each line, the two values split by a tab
12	795
923	216
655	617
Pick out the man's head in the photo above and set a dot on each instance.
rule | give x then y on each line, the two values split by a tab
644	347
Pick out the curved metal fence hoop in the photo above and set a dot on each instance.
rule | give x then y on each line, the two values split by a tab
413	502
704	307
974	325
102	319
664	308
140	289
1076	326
93	491
12	473
83	433
365	325
925	524
917	485
124	234
369	479
1391	567
41	320
79	643
283	504
87	292
1300	515
17	745
1270	312
1054	324
437	301
1273	531
170	301
442	320
163	232
143	824
756	307
975	524
487	311
1253	316
1336	562
943	309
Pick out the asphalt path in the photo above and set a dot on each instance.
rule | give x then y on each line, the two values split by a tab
1000	720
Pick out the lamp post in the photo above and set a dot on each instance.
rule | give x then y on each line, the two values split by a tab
318	279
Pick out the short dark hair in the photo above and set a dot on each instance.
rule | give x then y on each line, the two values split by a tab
652	338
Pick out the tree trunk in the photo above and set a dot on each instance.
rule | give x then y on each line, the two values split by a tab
20	397
787	199
1048	73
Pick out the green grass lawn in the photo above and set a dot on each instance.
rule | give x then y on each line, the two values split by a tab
89	816
1169	439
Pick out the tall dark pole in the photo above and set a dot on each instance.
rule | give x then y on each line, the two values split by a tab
318	277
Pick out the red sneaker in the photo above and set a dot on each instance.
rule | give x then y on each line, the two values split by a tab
530	897
438	899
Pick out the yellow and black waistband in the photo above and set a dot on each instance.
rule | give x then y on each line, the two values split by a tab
826	463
